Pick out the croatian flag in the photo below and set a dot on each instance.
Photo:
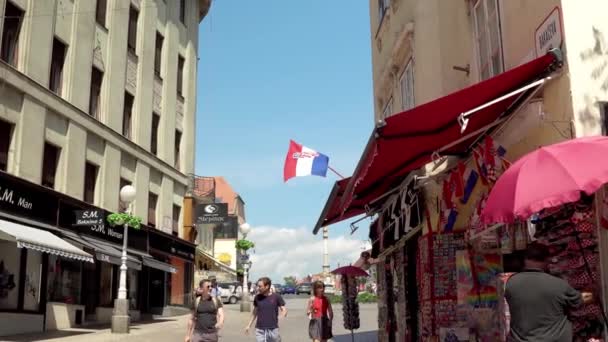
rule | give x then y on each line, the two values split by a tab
303	161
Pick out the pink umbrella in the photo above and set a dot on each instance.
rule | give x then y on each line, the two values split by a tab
350	271
548	177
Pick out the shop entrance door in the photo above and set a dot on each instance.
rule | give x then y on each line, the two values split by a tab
157	288
90	286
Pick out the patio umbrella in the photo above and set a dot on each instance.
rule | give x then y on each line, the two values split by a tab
350	271
548	177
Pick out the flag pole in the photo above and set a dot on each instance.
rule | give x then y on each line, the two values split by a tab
334	171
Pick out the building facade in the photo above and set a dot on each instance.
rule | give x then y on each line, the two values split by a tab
95	95
461	89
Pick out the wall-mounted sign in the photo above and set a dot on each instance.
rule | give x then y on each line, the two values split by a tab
212	213
25	199
93	217
549	34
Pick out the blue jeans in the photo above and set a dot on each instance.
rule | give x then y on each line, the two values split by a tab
267	335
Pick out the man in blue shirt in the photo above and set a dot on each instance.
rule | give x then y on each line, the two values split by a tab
266	307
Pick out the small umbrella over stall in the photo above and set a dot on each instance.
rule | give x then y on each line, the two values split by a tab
350	306
548	177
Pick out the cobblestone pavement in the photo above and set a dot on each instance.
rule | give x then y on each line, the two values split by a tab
294	328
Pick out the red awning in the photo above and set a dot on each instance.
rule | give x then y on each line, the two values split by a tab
408	140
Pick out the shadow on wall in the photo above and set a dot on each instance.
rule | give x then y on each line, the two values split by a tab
366	336
597	55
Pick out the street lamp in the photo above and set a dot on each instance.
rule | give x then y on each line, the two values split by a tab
245	228
120	316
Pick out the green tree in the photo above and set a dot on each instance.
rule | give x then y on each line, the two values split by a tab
290	281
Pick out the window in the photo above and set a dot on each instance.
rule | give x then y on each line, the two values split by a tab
154	134
175	226
6	130
132	38
122	206
158	54
10	33
10	265
180	75
90	182
57	62
95	98
407	87
106	280
126	116
487	35
152	201
182	11
382	8
178	143
64	280
49	164
388	109
100	12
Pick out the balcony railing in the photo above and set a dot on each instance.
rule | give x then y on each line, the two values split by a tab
203	186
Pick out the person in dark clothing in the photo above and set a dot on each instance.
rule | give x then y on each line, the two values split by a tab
539	302
207	316
266	306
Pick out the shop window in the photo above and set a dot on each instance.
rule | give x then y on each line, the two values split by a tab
100	12
57	64
133	281
158	53
178	143
64	277
132	30
152	202
95	98
106	280
180	75
383	6
90	182
6	130
122	206
487	35
182	11
10	262
175	221
127	115
407	87
154	134
13	17
49	164
177	282
388	109
31	293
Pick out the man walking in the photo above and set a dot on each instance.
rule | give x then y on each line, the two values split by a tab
266	307
539	302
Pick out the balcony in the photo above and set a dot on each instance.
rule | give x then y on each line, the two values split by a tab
131	84
179	112
203	186
157	96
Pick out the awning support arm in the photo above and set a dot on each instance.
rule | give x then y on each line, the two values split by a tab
463	119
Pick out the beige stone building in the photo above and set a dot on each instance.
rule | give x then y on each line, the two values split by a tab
424	51
94	95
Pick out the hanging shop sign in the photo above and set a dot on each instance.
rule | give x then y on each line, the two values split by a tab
212	213
90	218
549	34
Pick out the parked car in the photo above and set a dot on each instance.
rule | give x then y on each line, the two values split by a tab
231	293
304	288
330	289
288	290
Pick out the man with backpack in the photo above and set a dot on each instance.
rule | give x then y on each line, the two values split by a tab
207	316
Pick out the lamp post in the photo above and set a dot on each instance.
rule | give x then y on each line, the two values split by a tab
245	228
120	316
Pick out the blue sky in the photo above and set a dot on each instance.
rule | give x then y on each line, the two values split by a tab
275	70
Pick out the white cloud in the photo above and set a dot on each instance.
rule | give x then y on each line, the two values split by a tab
281	252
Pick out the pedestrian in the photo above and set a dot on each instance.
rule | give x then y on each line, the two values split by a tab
539	302
266	307
207	316
320	313
215	291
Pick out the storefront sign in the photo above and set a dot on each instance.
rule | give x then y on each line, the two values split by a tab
212	213
89	218
549	34
22	198
171	245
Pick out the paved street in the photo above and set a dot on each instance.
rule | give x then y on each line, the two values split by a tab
293	328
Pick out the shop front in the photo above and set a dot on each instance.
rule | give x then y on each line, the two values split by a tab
170	285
